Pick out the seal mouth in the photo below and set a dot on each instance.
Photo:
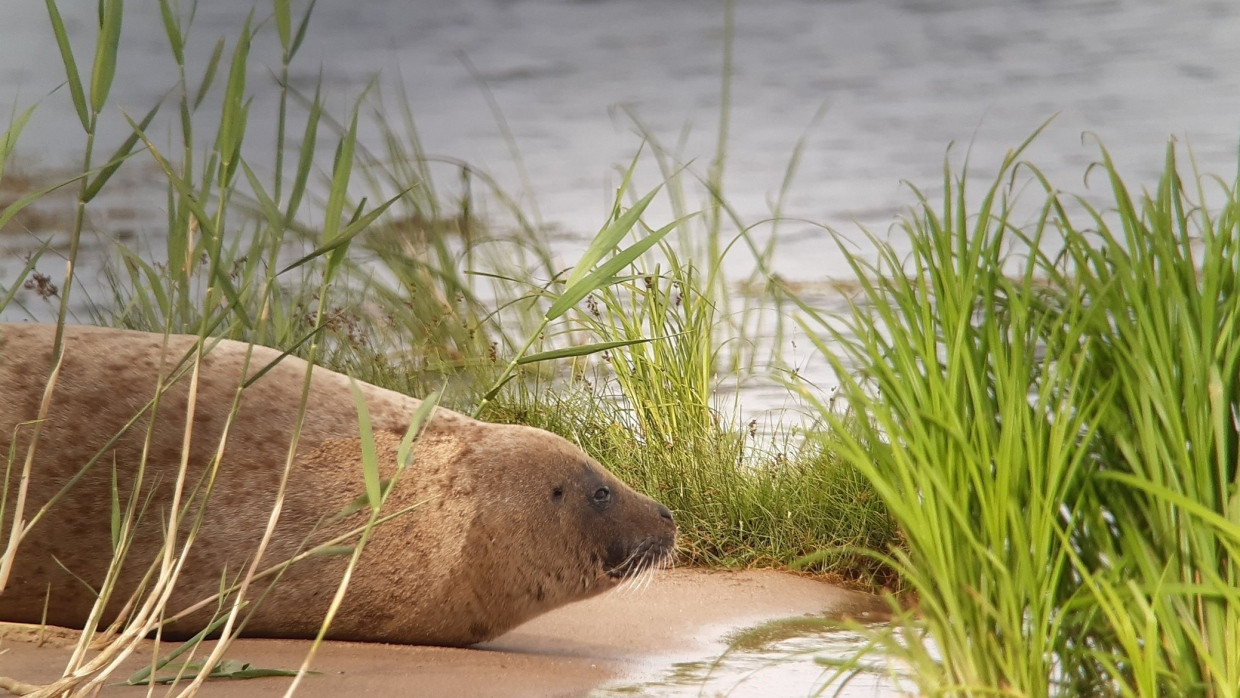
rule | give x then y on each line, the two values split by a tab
648	555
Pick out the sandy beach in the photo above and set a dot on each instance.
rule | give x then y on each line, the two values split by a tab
623	635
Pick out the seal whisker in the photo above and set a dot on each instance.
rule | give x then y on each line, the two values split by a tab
637	570
636	583
645	579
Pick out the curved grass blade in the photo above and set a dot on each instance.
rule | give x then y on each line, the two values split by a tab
121	154
105	53
421	416
9	140
7	213
345	236
370	454
8	298
208	75
587	283
609	238
71	71
581	350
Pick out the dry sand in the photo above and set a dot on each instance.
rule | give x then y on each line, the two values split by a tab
682	614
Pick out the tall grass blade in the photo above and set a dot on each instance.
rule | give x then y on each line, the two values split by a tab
609	238
284	24
66	56
8	212
580	350
370	465
300	36
172	30
370	457
108	43
577	289
305	160
208	74
9	140
233	113
340	241
122	153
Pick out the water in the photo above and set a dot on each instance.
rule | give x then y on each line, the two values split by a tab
896	82
801	663
899	79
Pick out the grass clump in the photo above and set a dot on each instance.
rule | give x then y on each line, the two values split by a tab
1058	402
738	501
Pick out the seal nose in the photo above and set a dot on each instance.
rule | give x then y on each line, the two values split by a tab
664	512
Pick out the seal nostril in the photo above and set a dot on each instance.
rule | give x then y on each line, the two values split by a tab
665	512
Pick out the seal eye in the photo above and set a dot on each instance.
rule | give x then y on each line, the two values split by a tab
602	495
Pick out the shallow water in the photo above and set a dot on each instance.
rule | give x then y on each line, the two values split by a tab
802	664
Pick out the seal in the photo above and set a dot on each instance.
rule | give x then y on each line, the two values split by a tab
504	522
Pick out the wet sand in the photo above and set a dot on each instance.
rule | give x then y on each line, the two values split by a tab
682	614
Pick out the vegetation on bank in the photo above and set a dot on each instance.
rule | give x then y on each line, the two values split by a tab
345	252
1058	403
1038	423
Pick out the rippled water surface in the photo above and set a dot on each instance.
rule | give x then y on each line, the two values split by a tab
899	80
894	81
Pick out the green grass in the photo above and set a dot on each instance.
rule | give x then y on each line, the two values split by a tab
739	501
1061	435
357	261
1039	430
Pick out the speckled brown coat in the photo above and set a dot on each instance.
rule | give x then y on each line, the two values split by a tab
512	521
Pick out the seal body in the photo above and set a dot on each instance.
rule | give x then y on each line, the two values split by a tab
504	523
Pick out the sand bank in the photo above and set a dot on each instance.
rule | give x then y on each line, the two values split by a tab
683	613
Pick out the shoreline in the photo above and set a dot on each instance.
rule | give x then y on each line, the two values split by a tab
624	635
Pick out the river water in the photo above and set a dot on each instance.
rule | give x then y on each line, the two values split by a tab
876	89
898	79
893	83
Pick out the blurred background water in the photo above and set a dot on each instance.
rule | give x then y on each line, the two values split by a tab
899	80
895	81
